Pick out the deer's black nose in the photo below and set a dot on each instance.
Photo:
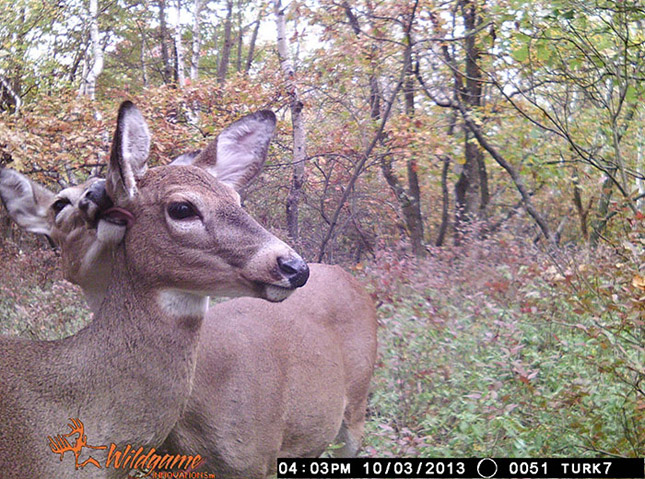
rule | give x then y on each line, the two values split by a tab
95	201
98	195
295	270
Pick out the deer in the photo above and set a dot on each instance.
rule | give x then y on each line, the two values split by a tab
176	235
272	379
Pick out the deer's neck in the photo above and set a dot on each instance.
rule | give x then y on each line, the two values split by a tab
137	354
126	376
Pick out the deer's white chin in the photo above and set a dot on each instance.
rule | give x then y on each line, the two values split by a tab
110	233
276	294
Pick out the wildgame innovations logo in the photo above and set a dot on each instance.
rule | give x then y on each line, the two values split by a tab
166	466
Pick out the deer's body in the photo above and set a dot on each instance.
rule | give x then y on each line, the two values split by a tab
281	379
176	235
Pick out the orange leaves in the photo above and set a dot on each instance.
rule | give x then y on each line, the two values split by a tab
414	137
63	133
638	281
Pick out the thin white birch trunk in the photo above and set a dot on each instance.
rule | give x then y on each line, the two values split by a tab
197	41
299	139
179	48
142	58
10	91
88	87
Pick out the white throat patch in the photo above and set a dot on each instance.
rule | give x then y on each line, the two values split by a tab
180	303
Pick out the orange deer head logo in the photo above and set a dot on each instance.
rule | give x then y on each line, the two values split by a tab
60	444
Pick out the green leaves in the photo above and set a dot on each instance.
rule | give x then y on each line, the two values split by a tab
631	94
538	51
521	53
544	49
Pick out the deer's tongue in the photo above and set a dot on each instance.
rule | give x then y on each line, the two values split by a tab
118	216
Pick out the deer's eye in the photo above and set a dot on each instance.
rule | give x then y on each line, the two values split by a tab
181	211
59	204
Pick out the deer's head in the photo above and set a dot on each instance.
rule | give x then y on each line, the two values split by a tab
187	218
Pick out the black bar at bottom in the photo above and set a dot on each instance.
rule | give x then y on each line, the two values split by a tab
462	468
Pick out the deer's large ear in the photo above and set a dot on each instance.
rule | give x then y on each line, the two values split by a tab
238	153
129	155
27	202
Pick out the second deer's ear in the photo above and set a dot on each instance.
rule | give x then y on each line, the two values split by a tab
129	155
239	152
27	202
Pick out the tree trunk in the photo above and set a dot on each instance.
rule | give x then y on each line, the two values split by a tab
254	38
97	64
222	68
445	203
375	95
78	58
165	54
299	139
640	182
580	209
468	190
471	190
457	105
142	59
599	224
10	98
409	199
11	79
197	41
412	210
358	168
179	50
515	176
240	37
88	85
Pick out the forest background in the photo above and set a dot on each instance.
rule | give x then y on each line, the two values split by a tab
479	165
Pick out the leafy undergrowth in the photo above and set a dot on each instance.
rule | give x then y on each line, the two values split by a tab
35	301
495	349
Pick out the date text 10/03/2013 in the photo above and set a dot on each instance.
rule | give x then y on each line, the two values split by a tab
463	468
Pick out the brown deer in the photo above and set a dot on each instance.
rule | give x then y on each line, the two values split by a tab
272	379
177	235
